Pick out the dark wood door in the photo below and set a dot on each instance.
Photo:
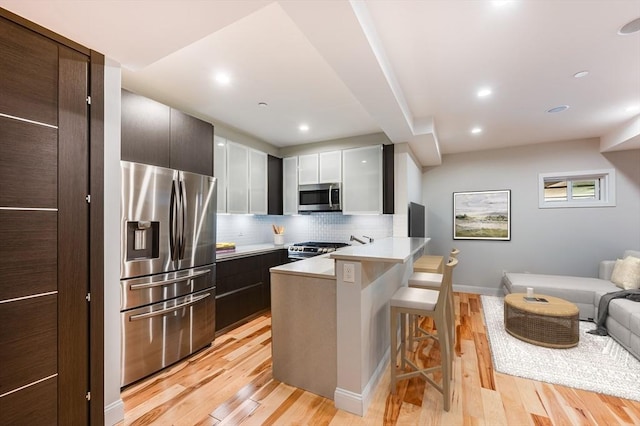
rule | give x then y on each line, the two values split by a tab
191	144
144	130
44	361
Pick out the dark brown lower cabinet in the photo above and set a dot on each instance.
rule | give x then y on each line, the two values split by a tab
243	287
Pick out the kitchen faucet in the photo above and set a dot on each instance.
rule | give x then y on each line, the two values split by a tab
354	238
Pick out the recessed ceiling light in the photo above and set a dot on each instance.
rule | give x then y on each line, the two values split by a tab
630	27
500	3
303	127
484	92
476	130
559	108
633	108
581	74
223	78
262	104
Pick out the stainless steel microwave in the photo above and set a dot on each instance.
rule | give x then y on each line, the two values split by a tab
321	197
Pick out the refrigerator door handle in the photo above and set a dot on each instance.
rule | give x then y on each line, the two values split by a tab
172	281
174	235
183	208
167	310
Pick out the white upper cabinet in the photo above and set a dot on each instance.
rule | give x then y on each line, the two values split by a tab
290	185
258	178
220	171
325	167
308	169
237	178
362	180
330	167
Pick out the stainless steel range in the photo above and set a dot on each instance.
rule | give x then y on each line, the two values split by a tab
299	251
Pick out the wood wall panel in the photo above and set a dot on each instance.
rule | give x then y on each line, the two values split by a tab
28	165
28	253
28	74
28	338
35	405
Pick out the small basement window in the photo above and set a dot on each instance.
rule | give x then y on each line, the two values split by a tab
591	188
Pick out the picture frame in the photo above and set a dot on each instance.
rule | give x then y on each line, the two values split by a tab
482	215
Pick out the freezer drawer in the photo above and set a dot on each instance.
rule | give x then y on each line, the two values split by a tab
136	292
158	335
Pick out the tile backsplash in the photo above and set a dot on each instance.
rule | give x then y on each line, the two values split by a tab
333	227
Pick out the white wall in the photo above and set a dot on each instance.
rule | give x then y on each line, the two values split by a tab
407	187
568	241
114	408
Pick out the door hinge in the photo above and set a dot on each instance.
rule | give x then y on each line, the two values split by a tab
88	396
88	297
89	100
88	198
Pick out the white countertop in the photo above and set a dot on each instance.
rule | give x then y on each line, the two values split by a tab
249	250
388	250
318	266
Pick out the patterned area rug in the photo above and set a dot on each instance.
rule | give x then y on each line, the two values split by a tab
597	364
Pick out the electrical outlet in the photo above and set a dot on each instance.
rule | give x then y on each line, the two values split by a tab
349	273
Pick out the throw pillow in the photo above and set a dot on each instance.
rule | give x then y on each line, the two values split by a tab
626	273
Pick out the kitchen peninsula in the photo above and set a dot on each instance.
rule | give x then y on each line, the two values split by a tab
330	318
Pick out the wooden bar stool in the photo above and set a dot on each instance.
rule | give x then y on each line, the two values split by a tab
433	281
428	303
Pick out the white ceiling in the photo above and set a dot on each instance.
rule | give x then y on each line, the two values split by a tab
410	69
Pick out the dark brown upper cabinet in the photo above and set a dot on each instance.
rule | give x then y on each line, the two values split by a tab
153	133
191	144
274	189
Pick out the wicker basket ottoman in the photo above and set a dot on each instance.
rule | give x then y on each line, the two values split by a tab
553	324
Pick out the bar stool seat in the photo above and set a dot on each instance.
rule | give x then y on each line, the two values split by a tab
408	301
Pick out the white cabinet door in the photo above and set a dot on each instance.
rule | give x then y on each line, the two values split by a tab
237	178
257	182
362	180
220	171
308	169
290	185
331	167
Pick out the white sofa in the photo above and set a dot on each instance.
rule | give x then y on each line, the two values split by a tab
623	321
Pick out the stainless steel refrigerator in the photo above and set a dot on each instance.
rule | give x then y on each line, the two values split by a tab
167	285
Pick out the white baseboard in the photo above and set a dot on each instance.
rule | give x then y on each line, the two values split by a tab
114	413
356	403
487	291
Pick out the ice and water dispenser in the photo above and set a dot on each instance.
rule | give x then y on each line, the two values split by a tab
143	240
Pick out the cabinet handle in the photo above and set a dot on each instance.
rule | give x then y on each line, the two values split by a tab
167	310
171	281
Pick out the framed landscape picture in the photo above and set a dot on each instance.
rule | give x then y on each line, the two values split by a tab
482	215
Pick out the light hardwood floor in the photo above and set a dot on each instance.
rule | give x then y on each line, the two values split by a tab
230	383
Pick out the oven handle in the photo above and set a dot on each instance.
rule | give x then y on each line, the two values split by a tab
171	281
167	310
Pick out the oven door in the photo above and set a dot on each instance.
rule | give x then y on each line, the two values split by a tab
323	197
158	335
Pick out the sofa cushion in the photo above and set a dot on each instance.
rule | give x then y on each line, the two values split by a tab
635	323
574	289
626	273
623	310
